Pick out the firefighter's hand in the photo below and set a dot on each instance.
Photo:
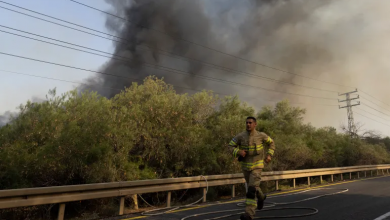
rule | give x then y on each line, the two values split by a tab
242	153
268	159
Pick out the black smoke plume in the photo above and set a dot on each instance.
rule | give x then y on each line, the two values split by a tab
159	34
333	41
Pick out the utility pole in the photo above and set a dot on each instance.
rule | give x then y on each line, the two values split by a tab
351	123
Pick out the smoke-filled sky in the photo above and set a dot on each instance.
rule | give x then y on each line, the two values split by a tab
344	42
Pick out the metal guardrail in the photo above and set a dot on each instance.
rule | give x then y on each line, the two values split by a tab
61	194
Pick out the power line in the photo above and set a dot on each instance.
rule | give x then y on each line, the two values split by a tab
61	80
158	67
114	56
49	38
296	103
69	47
52	17
235	83
168	69
367	99
375	99
372	114
224	68
55	79
200	45
52	22
166	53
78	68
73	82
72	67
374	104
370	118
375	109
56	44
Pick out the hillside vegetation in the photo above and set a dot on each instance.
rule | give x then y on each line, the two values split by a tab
150	131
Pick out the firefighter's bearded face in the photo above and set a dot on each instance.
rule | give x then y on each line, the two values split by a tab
250	125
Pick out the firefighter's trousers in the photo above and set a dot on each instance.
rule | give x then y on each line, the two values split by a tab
252	179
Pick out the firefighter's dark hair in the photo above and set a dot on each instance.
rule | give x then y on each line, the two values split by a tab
250	117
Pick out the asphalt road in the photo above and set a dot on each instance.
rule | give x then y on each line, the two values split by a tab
365	199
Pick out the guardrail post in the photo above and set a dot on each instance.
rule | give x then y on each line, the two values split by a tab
387	171
169	199
371	172
377	172
204	194
383	172
320	179
233	191
341	177
61	212
358	175
365	173
294	183
121	205
308	180
331	177
350	176
135	201
277	185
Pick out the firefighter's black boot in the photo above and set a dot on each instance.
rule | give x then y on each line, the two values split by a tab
245	217
260	202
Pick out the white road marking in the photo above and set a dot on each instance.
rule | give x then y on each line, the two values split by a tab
382	217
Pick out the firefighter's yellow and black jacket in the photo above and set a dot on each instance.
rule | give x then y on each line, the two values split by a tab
253	143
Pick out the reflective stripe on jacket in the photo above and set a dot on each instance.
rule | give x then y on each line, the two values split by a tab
253	143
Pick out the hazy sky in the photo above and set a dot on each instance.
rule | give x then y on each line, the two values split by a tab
16	89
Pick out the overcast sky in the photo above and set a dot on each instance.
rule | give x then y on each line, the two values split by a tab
16	89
